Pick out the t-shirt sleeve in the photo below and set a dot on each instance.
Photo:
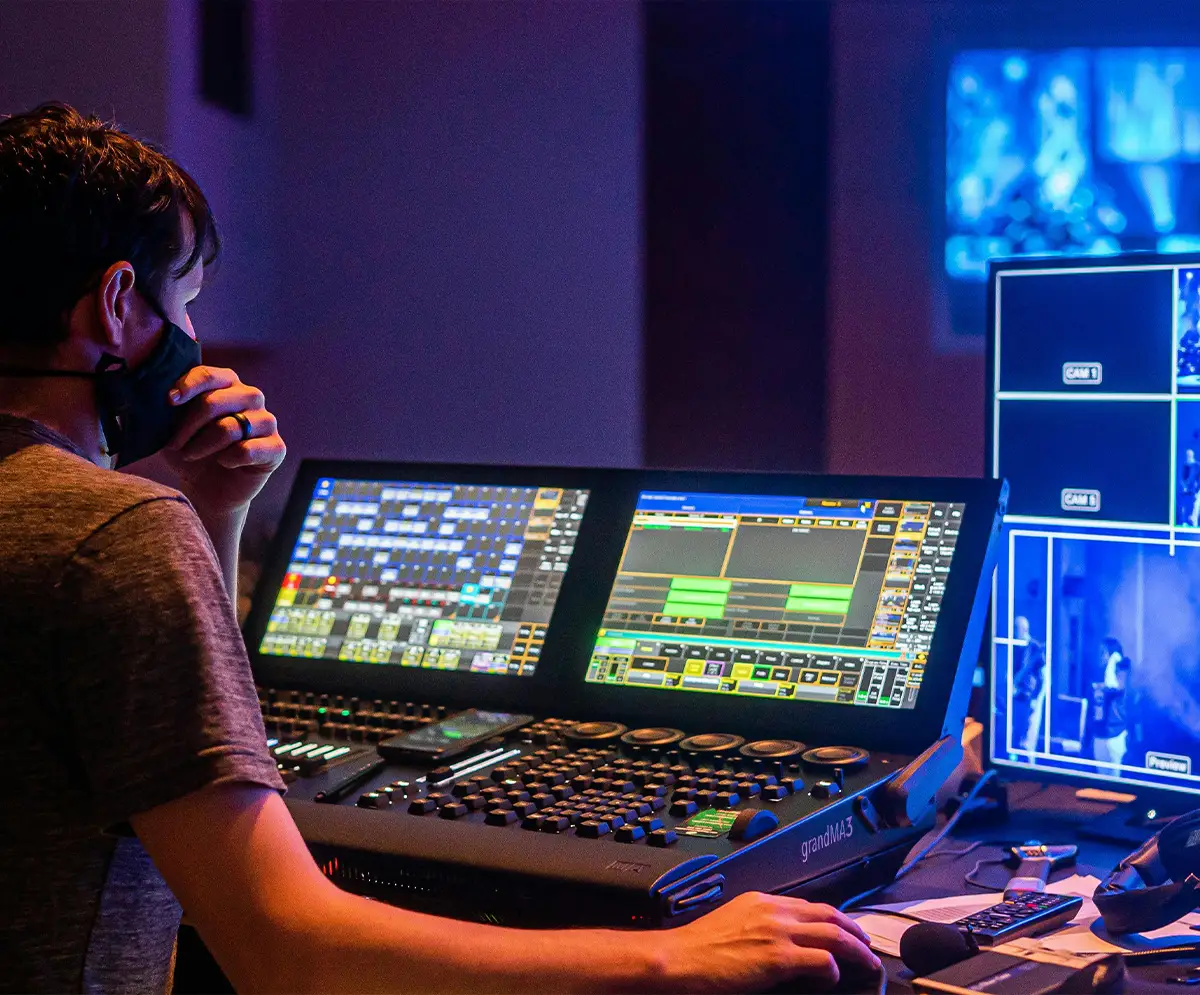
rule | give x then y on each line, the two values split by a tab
154	674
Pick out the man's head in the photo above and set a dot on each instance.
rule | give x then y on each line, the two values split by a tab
1021	628
99	232
1189	456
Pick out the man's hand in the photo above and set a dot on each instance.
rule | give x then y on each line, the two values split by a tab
219	470
755	941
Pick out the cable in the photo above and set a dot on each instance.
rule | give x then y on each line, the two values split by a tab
924	851
956	853
969	877
884	911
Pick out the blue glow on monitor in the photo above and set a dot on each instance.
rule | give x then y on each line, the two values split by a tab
1069	152
1095	663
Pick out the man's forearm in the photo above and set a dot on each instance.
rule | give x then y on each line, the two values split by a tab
225	531
394	950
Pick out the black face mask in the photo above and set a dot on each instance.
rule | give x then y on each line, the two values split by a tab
135	412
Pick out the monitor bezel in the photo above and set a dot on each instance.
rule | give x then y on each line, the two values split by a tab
1166	798
558	686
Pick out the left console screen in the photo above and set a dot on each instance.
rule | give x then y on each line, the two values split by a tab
441	576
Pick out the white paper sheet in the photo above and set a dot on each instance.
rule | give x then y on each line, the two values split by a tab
1084	934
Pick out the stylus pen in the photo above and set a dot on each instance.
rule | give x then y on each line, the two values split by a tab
340	789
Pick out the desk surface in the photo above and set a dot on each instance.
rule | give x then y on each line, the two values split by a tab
1048	813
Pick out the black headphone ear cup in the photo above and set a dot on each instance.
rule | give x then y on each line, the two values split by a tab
1146	908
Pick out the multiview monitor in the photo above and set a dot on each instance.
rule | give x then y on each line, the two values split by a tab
1094	418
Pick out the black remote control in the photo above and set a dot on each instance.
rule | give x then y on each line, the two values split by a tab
1022	913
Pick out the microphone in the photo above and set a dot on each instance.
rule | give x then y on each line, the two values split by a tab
928	947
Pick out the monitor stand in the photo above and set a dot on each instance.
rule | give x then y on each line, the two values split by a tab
1134	823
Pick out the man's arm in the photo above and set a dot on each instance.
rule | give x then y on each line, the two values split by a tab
224	530
243	875
225	449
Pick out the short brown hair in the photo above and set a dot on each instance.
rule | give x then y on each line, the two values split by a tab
78	194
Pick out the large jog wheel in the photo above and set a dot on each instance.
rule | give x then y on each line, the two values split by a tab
772	749
836	757
711	742
593	731
653	736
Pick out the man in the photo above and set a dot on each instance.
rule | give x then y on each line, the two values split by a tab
1109	715
138	768
1028	689
1189	490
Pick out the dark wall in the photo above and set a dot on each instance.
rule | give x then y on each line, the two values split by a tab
736	109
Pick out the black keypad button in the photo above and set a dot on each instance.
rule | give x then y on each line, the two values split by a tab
750	789
657	804
775	792
662	837
683	808
704	798
562	792
533	822
422	806
650	823
525	808
543	799
592	829
501	817
474	802
793	784
517	796
555	823
629	834
726	799
455	810
462	789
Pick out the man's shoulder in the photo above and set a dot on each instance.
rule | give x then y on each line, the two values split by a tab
59	493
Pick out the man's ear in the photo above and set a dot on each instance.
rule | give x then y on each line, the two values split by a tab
114	307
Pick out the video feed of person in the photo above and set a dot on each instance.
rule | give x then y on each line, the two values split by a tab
1187	365
1096	669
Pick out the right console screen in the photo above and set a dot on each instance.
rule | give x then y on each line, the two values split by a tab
785	597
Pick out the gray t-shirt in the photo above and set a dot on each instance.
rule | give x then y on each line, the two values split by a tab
126	686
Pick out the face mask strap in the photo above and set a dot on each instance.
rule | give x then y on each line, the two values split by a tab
19	372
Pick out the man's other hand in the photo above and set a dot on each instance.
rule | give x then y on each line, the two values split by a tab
228	443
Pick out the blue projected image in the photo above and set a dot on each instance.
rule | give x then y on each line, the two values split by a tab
1076	152
1087	679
